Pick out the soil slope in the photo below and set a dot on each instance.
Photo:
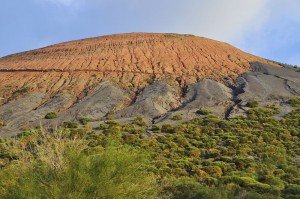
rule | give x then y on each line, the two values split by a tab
129	59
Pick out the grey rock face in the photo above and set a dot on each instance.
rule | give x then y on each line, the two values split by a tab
16	112
153	101
29	110
207	94
106	97
267	85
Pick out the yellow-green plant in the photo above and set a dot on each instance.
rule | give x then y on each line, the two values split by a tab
57	166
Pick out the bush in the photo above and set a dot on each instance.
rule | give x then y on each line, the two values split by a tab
252	104
261	113
155	128
214	171
51	115
20	92
188	188
59	167
70	124
203	112
139	121
167	128
248	182
292	189
84	121
275	182
294	102
177	117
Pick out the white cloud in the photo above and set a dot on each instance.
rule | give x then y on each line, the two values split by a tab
220	19
224	19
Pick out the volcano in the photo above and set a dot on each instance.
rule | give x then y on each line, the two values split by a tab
119	77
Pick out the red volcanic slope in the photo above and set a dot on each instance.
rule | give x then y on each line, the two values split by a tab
128	59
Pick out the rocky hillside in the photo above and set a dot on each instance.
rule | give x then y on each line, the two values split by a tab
157	76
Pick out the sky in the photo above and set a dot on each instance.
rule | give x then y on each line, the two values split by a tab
268	28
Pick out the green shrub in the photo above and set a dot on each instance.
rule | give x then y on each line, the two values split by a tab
28	133
261	113
84	121
292	190
112	123
59	167
214	171
248	182
51	115
188	188
139	121
130	139
155	128
20	92
252	104
70	124
203	112
275	182
177	117
130	128
294	102
167	128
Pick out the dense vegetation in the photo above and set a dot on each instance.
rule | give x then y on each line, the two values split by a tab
62	165
295	102
253	157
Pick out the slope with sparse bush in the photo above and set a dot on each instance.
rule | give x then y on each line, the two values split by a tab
247	157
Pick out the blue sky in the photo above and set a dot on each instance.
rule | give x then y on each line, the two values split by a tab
268	28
